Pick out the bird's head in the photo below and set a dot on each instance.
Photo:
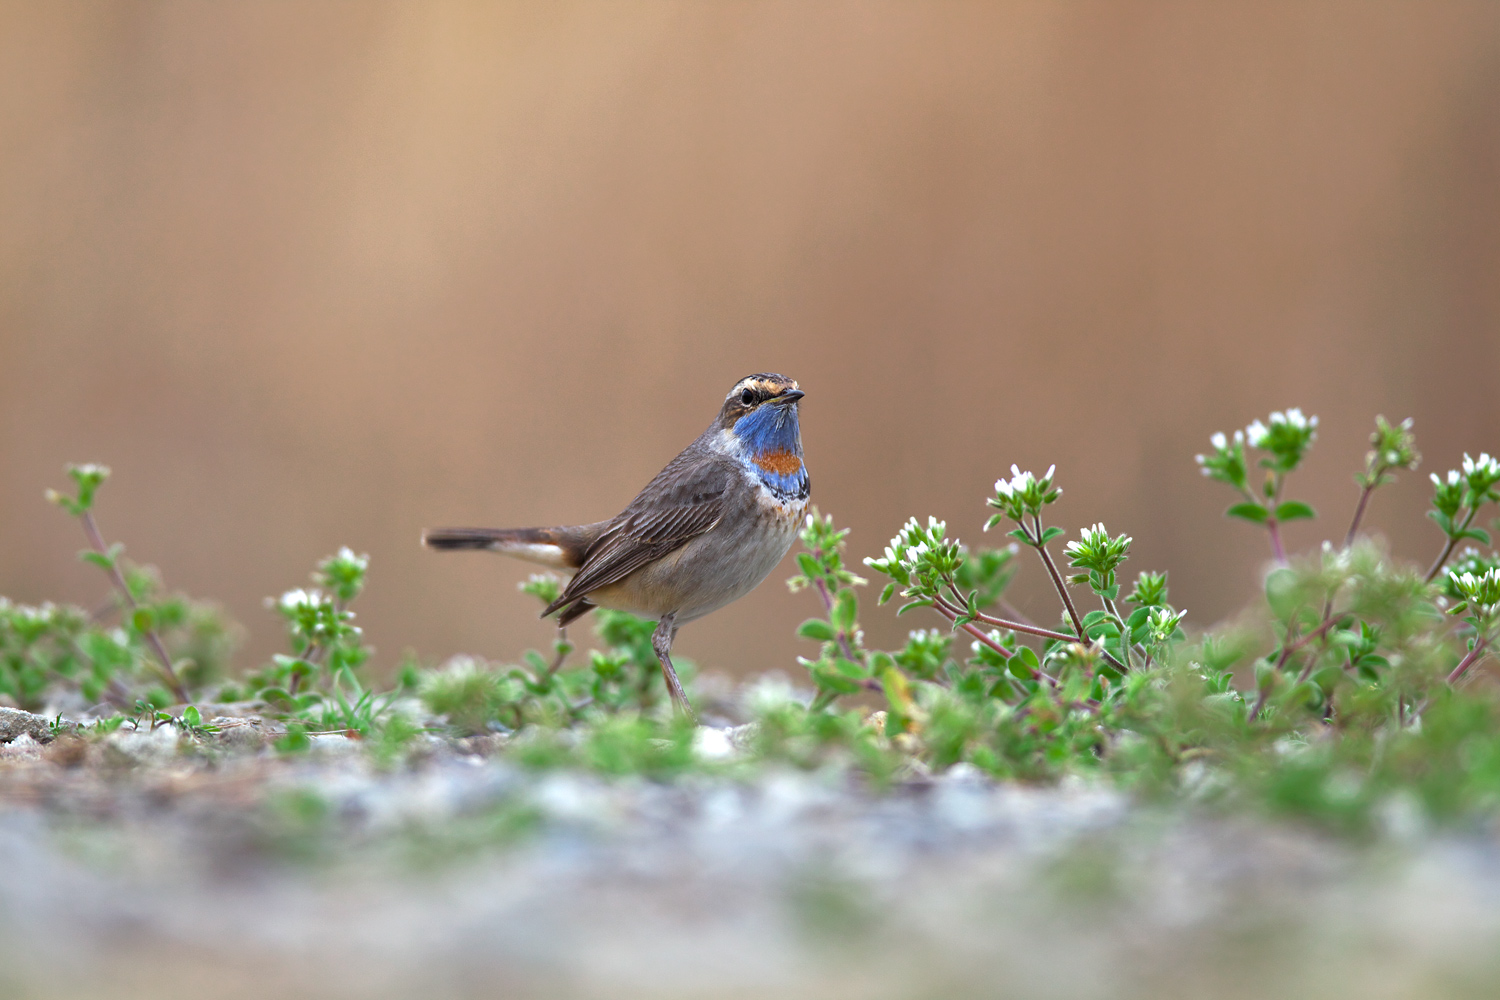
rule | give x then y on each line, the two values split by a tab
752	394
759	421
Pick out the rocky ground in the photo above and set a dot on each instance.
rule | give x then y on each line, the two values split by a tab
163	864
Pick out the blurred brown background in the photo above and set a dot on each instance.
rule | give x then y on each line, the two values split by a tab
319	274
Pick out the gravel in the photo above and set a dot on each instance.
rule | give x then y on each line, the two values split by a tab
15	723
150	865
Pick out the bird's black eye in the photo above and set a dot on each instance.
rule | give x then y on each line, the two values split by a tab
747	397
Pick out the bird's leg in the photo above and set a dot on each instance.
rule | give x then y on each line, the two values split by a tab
661	641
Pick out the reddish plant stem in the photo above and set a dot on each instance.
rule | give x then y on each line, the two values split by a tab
96	540
952	612
1042	633
1057	580
1359	510
1468	661
1277	549
562	654
1286	654
843	639
1442	558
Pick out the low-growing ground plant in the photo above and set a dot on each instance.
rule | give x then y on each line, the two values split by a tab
142	649
1354	692
1346	693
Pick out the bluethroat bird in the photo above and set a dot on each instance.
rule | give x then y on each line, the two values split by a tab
703	533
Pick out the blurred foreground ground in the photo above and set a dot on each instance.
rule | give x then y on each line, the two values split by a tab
137	869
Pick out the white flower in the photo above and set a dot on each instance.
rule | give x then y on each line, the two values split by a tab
300	598
1482	590
1485	465
1219	441
1257	433
1020	481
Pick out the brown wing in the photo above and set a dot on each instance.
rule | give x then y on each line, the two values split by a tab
683	502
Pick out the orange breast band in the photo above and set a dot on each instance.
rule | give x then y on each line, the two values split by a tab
782	463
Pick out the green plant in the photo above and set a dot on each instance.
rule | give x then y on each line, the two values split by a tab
145	643
623	677
1360	658
1284	439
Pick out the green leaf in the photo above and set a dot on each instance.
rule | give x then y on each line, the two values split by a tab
829	679
1302	692
295	740
1294	510
1265	673
99	559
1107	629
850	669
845	611
276	697
1248	512
1051	533
1282	592
143	619
816	629
1478	534
1093	618
885	595
1138	618
191	716
810	567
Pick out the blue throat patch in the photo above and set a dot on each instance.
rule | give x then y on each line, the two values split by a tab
773	446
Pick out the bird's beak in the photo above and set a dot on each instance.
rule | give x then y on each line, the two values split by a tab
790	396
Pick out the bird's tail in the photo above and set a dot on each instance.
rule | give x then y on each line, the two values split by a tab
559	548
